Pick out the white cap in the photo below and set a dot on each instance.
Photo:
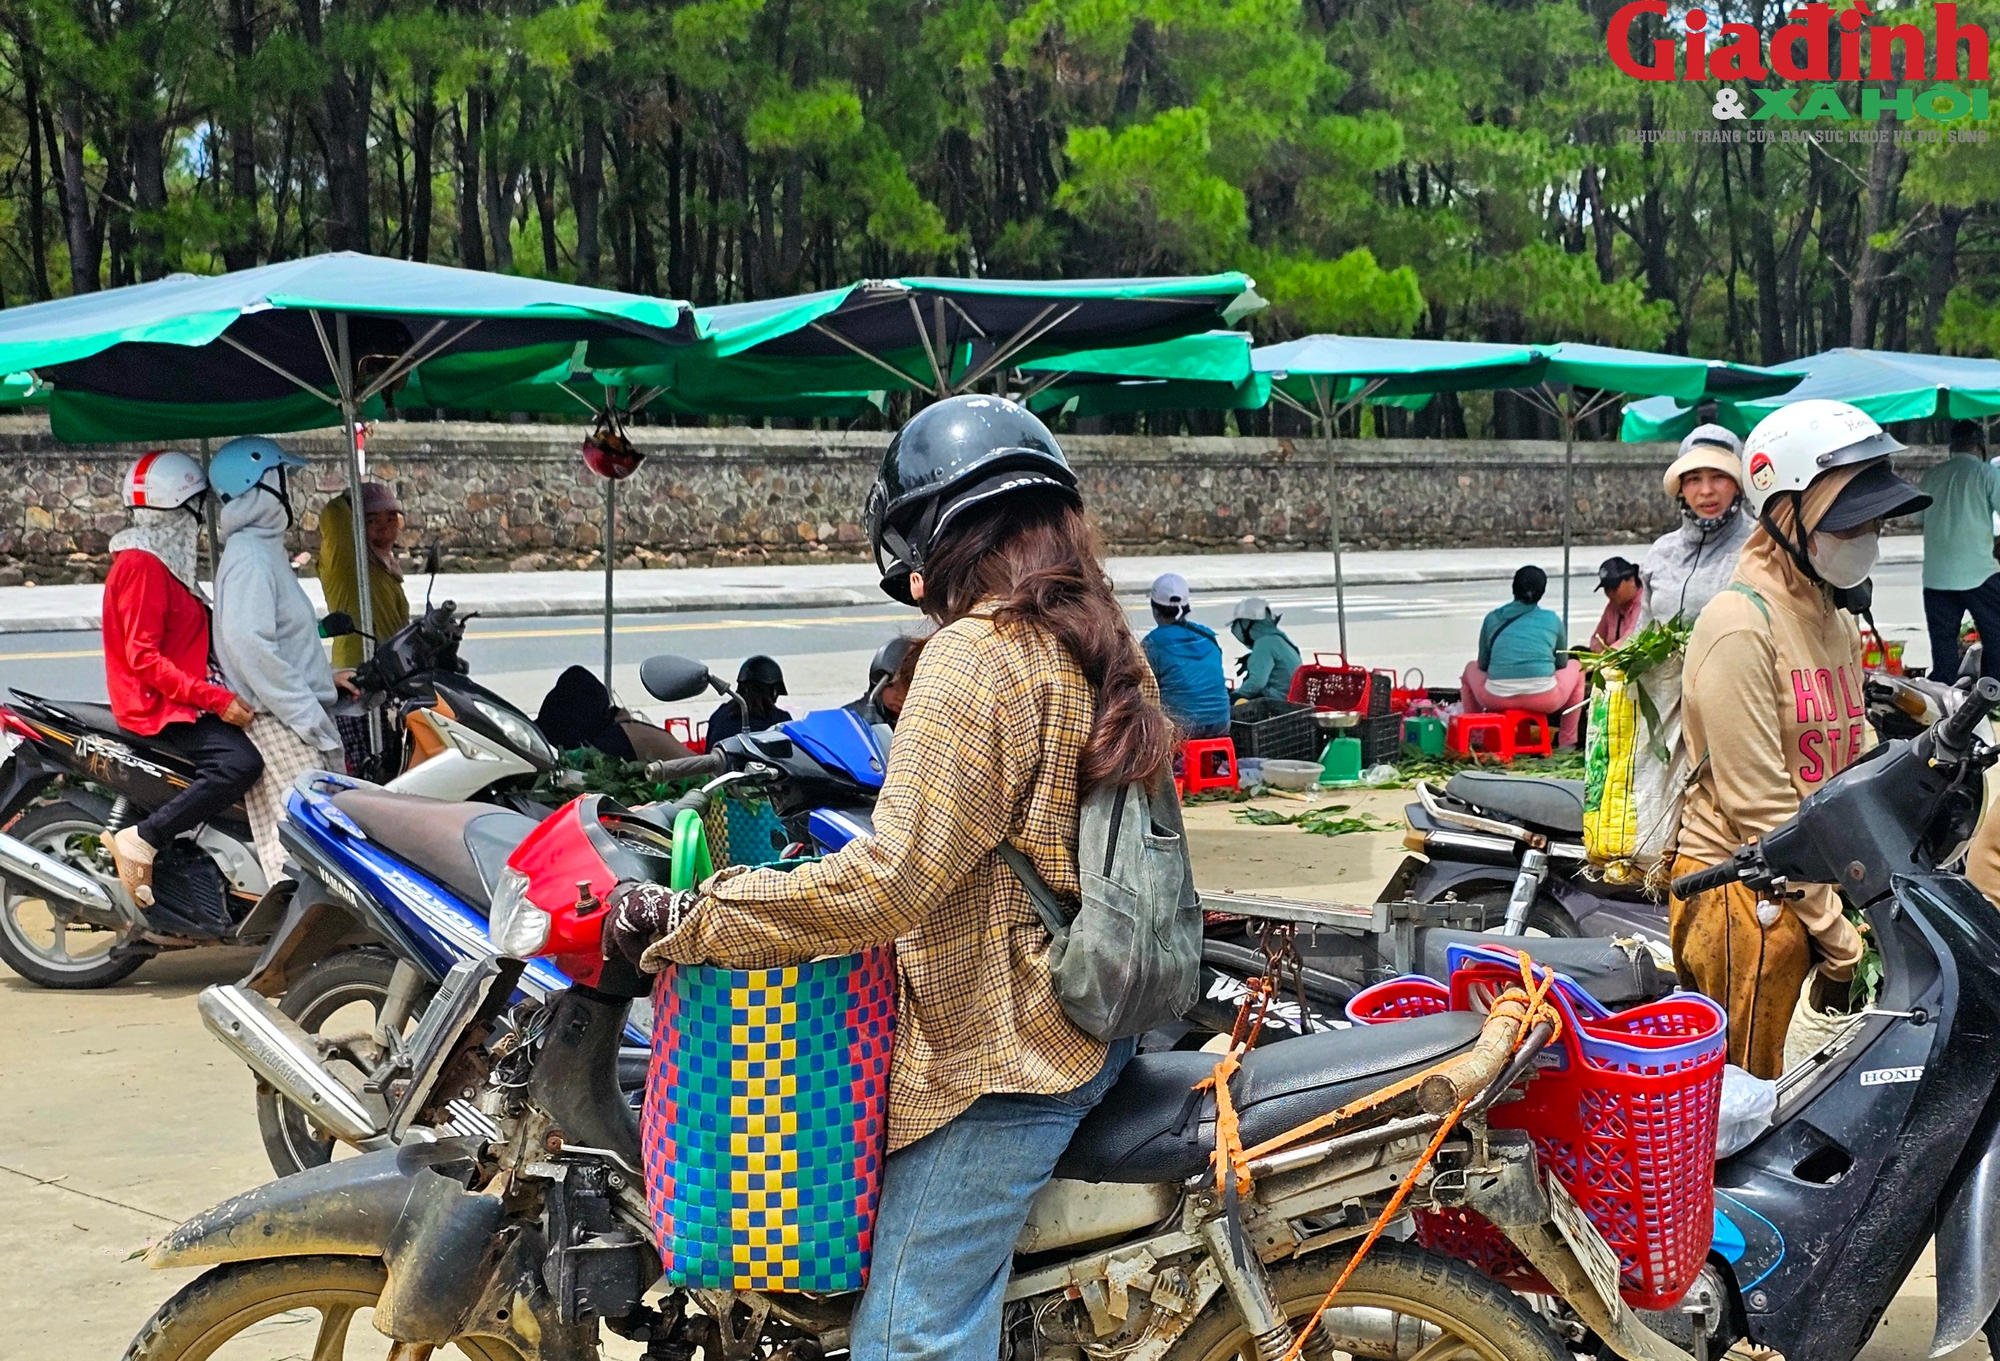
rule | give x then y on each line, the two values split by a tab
1170	590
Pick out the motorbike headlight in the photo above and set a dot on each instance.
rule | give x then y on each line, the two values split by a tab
522	734
519	928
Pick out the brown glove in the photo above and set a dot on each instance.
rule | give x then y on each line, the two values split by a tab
639	914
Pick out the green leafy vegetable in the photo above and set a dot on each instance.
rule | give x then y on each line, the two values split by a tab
1333	820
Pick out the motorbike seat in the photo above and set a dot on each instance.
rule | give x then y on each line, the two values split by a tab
1618	975
96	717
463	846
1152	1126
1551	805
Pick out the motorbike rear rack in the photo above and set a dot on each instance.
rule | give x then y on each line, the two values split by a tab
1394	924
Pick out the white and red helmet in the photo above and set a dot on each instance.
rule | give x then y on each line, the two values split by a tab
163	480
1794	445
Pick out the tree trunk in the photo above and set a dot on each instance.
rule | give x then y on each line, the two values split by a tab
149	192
1764	264
545	211
423	151
1940	271
589	191
86	240
711	247
38	226
340	120
242	245
1878	206
1601	226
471	246
499	208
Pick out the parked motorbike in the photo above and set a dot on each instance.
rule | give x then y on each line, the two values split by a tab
393	891
1890	1134
390	893
525	1238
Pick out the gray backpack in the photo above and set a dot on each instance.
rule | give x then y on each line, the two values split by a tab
1129	957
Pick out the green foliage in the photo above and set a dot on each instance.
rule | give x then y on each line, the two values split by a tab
1333	820
1352	295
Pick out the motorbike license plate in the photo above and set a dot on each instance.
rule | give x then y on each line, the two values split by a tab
1600	1263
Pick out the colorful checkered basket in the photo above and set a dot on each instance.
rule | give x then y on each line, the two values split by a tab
764	1118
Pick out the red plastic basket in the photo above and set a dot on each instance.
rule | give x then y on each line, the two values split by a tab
1403	694
1623	1113
1398	999
1336	686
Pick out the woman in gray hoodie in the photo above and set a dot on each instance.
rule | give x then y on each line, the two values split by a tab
1687	566
266	636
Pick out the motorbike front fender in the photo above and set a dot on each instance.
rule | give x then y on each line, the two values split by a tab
1968	1245
351	1207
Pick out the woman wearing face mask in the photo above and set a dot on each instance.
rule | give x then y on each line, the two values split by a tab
1773	709
1687	565
266	637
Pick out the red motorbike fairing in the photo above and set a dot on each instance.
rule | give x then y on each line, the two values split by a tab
572	861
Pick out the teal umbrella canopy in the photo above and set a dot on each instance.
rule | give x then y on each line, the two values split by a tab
259	350
1889	385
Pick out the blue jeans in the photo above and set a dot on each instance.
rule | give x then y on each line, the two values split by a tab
952	1205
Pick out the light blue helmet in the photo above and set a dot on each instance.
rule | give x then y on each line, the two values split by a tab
242	463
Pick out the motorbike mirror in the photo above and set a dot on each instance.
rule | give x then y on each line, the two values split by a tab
669	677
338	624
1972	665
430	559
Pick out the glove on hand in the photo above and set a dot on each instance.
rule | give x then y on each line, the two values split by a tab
640	914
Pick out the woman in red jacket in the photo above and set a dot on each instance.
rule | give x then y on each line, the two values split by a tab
156	661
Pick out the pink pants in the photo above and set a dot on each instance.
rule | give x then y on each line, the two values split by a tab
1566	695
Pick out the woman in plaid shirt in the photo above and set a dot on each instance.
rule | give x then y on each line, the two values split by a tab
1031	692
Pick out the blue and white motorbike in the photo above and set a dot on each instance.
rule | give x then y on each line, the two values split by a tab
393	890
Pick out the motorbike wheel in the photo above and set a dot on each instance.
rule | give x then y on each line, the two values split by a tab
345	992
295	1306
45	942
1546	916
1462	1315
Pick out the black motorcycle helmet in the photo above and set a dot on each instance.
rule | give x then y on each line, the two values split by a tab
761	673
949	456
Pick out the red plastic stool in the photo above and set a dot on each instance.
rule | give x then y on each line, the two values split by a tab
1526	743
1494	728
1207	763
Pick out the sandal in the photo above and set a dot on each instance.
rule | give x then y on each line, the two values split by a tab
133	856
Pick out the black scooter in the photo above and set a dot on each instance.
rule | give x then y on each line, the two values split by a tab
1891	1133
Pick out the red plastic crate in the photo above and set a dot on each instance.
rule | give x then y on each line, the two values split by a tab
1355	689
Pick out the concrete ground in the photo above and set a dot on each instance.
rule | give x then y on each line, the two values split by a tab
120	1116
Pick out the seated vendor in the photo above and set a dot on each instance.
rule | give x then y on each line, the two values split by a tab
1267	668
1524	660
1187	662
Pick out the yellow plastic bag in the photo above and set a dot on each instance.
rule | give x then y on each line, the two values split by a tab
1610	813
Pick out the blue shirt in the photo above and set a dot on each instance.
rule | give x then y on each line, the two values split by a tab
1520	641
1958	526
1187	663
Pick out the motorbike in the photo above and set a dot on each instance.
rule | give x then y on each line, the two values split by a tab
392	891
529	1236
1890	1133
65	921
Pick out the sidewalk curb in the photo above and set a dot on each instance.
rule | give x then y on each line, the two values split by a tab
66	609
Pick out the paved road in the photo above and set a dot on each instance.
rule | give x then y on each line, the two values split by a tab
825	652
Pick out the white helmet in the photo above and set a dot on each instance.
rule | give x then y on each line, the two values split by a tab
163	480
1793	445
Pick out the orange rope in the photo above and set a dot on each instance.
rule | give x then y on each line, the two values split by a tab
1534	996
1229	1154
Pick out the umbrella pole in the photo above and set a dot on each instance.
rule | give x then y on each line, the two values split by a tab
1322	390
1569	493
364	601
610	565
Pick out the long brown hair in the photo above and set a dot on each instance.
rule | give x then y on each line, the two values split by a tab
1038	556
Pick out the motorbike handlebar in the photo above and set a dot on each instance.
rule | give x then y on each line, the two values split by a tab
684	767
1701	881
1955	730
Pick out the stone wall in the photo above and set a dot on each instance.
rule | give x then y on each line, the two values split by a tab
496	497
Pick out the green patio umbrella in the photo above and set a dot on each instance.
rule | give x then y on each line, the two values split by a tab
1336	373
932	335
1889	385
299	345
1208	371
